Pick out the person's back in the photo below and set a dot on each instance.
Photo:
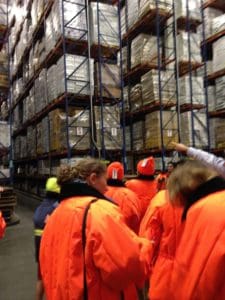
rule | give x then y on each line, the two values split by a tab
199	269
145	185
114	259
40	218
162	225
199	266
125	198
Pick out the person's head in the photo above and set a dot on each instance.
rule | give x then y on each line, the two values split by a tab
171	166
65	174
146	166
185	180
115	171
51	187
93	172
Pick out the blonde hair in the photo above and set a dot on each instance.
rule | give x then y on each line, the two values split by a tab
186	178
85	167
81	170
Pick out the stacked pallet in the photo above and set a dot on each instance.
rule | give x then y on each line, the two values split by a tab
7	205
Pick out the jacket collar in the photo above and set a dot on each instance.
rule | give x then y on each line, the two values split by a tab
146	177
213	185
115	182
79	188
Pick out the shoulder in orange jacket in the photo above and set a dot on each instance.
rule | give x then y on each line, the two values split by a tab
128	204
145	190
162	225
2	225
116	258
199	268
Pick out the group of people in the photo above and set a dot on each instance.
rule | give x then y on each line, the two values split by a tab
98	237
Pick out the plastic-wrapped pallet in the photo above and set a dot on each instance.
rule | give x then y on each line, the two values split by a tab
218	55
39	139
125	99
217	132
40	94
74	17
124	25
200	129
3	12
210	13
45	134
147	5
31	141
16	148
31	104
138	140
194	8
4	110
109	24
4	135
158	162
52	84
209	69
111	127
133	8
16	120
77	73
144	50
198	92
211	97
136	97
128	138
150	87
220	93
212	127
153	130
218	24
23	146
124	59
25	116
110	80
183	49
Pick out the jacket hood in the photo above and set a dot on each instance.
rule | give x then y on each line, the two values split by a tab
79	188
115	182
213	185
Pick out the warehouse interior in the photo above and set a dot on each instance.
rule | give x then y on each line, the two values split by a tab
116	80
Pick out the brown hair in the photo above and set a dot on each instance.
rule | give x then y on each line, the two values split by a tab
82	169
186	178
85	167
65	174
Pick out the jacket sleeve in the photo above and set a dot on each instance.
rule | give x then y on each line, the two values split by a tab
2	225
120	255
209	159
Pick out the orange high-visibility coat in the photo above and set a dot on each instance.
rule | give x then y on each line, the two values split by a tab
162	224
199	268
127	202
2	225
145	190
116	258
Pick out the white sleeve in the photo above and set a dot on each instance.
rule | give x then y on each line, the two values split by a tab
210	160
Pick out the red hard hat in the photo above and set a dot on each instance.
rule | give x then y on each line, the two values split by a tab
115	171
146	166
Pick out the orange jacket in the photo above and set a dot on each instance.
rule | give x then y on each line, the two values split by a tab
2	225
145	190
115	256
199	268
162	224
127	202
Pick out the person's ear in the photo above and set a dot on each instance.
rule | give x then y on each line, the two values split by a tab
92	179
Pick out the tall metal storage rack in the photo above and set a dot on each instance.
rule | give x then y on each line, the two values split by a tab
98	98
163	22
207	46
5	151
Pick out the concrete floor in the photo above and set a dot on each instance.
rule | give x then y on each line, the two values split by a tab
17	262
